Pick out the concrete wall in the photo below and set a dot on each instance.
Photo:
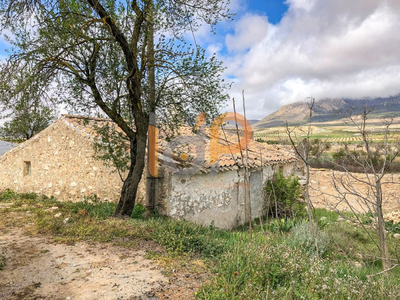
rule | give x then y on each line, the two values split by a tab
61	165
204	198
215	198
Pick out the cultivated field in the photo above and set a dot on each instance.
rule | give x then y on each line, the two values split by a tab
329	132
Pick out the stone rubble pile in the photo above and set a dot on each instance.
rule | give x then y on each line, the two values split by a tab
393	216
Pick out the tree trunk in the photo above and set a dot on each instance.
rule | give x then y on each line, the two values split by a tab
129	189
307	194
313	226
384	252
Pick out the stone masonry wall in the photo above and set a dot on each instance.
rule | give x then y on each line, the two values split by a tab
59	162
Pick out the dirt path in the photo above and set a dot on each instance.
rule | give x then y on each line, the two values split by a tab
39	269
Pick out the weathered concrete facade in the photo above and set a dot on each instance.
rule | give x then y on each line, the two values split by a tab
59	161
217	198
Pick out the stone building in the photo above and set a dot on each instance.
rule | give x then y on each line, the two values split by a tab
60	161
214	193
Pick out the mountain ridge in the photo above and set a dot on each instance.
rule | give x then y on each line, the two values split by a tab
326	110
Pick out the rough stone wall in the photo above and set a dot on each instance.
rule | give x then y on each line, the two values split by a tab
61	165
214	198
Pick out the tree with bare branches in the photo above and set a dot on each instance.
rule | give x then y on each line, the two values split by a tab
302	147
374	161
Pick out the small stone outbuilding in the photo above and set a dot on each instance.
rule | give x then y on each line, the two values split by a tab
60	161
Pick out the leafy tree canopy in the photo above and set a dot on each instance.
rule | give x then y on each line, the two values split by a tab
26	121
124	58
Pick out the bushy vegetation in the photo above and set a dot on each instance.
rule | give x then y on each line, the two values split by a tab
273	265
274	270
302	237
281	225
349	155
282	197
269	142
392	227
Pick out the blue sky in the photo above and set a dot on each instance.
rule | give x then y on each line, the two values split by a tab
274	9
280	52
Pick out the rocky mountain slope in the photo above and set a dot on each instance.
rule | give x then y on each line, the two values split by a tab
330	110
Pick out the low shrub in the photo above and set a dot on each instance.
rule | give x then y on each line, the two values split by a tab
282	197
302	237
392	227
281	225
7	195
138	211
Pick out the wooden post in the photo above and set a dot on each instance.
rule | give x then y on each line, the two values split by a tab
152	166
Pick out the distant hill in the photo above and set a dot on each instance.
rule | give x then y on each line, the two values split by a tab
5	146
232	124
253	121
330	110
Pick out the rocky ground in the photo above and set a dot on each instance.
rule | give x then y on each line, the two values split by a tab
324	192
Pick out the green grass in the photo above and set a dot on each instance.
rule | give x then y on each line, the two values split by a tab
2	262
272	265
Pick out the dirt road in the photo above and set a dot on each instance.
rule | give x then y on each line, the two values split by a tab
38	268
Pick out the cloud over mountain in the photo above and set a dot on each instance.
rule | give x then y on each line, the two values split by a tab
324	49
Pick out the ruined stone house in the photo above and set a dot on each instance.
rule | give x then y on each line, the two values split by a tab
60	161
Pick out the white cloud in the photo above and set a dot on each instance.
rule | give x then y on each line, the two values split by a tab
249	30
325	49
